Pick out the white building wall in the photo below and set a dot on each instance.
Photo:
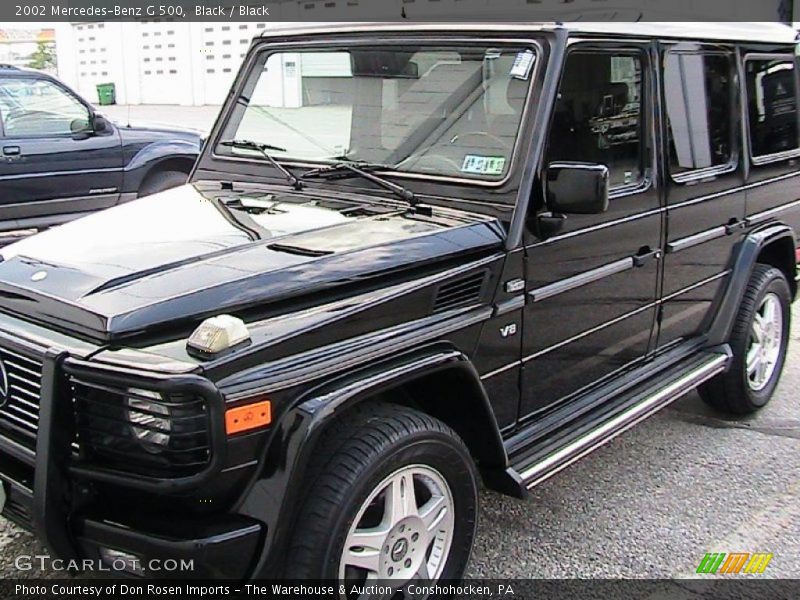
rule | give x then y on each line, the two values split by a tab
195	63
155	62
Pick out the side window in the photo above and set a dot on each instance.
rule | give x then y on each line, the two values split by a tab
699	97
771	105
36	107
598	115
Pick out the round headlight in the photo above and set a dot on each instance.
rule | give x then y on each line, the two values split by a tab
150	420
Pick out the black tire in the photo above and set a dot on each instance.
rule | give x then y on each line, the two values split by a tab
160	181
733	391
354	458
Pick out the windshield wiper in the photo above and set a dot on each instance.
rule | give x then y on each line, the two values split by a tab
365	171
293	180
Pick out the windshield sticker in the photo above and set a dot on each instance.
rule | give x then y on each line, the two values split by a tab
483	165
523	63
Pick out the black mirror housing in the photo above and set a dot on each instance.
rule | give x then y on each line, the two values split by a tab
99	123
577	188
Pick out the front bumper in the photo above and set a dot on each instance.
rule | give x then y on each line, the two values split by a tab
44	495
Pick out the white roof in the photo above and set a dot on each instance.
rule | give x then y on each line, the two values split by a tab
752	31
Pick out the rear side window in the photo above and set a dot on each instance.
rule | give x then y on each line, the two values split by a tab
772	105
699	93
598	115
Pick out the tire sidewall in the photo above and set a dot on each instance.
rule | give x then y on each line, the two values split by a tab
777	285
429	449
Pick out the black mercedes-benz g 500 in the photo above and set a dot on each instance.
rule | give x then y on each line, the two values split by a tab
409	257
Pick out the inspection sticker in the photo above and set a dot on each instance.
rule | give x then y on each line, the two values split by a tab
483	165
523	63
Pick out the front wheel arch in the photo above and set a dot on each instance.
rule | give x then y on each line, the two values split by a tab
182	165
274	494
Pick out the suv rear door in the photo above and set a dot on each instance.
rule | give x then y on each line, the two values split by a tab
592	286
703	182
46	170
771	85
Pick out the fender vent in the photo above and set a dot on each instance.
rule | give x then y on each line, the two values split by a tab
460	292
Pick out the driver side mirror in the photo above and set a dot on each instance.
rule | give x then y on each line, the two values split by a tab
81	127
577	188
99	123
84	128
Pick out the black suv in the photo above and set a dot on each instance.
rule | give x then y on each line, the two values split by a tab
408	257
59	159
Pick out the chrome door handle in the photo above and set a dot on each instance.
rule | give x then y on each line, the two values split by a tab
645	257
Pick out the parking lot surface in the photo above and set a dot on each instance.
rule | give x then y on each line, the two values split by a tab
649	504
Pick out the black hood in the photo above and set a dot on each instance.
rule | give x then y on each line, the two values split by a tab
197	250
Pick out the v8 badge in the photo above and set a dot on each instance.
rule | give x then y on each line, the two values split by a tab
508	330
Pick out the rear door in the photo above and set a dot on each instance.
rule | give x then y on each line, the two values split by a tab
773	190
704	182
46	170
592	286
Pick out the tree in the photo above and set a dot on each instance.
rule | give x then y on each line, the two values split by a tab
44	57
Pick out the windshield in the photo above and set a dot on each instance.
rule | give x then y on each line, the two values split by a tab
451	111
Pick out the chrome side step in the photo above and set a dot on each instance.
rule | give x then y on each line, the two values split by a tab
601	430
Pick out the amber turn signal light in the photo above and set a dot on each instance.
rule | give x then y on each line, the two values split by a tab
247	417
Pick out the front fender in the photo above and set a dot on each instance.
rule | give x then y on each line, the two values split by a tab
276	491
155	152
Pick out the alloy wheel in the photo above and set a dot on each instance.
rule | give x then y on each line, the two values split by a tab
766	337
403	531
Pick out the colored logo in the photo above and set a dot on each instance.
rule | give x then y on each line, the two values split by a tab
720	563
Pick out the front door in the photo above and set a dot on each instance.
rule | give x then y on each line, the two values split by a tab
592	285
45	168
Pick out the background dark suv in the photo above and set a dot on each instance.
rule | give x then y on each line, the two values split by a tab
59	159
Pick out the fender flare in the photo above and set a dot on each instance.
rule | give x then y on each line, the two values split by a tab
275	492
746	255
154	153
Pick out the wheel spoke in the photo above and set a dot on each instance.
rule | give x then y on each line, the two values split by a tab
372	579
762	370
401	500
753	359
758	329
363	558
768	311
420	579
433	512
371	539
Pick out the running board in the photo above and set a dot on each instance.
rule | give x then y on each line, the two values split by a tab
589	432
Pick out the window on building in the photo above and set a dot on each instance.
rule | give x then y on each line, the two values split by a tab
699	92
772	105
598	116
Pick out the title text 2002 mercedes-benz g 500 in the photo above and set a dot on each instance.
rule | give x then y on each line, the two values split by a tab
408	257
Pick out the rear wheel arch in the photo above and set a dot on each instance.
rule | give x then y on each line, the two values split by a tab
781	254
774	245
